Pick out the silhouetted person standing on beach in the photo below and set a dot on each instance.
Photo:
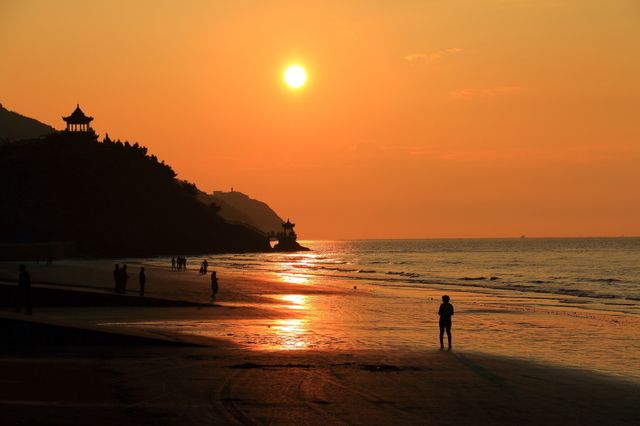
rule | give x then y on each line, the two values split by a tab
143	280
116	278
124	277
214	285
173	263
23	296
445	312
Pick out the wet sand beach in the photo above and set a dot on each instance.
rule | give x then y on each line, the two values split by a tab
278	351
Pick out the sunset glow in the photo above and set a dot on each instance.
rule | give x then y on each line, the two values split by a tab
437	119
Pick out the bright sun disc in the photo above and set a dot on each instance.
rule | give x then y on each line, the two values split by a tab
295	76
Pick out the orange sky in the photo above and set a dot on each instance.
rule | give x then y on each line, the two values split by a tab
452	118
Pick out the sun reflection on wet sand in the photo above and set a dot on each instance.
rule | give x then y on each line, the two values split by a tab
290	334
294	279
296	301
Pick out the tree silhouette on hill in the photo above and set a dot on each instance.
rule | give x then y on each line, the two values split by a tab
110	197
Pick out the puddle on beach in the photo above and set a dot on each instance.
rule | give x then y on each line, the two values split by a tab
279	334
258	334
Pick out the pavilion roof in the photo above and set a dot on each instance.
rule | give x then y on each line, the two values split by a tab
78	117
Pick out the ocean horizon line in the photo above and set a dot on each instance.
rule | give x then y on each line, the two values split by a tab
524	237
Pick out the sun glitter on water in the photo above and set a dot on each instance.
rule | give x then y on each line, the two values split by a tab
295	76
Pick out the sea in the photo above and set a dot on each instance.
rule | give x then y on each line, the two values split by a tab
592	271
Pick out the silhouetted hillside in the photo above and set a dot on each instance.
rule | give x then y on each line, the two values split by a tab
238	207
225	211
14	126
111	198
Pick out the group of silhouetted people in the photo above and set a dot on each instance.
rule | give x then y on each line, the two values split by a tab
121	277
204	266
179	263
49	260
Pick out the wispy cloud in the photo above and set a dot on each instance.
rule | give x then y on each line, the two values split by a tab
432	56
468	93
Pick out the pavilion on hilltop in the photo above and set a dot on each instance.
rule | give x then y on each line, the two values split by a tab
78	121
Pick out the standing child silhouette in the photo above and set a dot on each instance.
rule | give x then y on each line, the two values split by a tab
445	312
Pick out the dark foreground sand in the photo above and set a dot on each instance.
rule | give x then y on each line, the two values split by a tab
115	385
186	380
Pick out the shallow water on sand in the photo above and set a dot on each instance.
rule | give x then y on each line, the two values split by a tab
371	318
571	302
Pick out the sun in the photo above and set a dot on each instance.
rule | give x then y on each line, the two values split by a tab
295	76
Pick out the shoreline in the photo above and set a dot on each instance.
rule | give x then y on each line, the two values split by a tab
261	312
240	379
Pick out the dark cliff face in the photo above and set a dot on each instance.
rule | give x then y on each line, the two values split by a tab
14	126
112	199
238	207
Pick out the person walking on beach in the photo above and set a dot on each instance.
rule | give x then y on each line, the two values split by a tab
124	277
214	285
116	278
173	263
445	312
143	280
23	293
